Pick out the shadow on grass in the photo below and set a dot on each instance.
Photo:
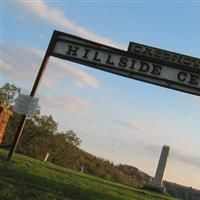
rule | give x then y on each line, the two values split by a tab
95	179
126	189
32	187
29	186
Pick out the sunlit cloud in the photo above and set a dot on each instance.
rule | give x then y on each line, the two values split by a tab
57	18
185	158
6	67
197	98
136	127
81	78
74	104
174	154
78	83
22	63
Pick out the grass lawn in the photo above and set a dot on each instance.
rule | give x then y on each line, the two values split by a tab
28	179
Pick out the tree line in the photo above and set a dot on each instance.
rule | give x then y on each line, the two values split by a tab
41	136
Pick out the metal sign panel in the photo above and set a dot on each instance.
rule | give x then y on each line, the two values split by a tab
25	104
79	50
163	56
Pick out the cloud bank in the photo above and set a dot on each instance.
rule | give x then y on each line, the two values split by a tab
57	18
22	63
136	127
184	158
72	104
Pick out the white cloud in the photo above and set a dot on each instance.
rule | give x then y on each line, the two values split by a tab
23	63
197	98
75	105
6	67
56	17
185	158
20	63
80	76
139	128
136	127
78	83
174	154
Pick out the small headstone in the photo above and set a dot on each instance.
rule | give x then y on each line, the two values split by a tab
46	157
82	169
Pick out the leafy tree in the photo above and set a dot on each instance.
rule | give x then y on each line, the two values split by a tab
47	124
40	136
7	96
8	93
72	138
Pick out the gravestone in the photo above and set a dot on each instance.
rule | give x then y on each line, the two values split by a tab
46	157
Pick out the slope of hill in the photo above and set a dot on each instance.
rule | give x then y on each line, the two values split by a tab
30	179
40	135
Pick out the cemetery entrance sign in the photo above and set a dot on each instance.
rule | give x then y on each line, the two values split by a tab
140	62
131	64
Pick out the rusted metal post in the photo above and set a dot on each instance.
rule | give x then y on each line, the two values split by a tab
32	94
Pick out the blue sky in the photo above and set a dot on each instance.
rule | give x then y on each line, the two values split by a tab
120	119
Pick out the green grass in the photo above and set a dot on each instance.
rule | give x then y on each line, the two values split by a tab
28	179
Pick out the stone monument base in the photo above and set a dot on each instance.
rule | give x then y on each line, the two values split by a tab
154	187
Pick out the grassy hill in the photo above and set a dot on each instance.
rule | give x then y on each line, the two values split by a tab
29	179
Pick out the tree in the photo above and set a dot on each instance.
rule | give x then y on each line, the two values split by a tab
8	93
46	123
7	96
40	135
72	138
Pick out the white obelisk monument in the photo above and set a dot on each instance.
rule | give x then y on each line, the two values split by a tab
161	166
156	183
